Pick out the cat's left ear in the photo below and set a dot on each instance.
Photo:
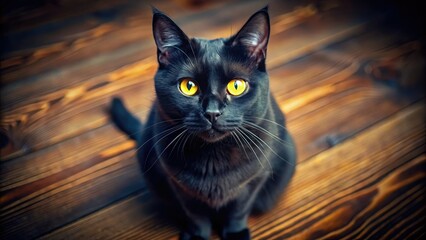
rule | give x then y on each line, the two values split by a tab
254	35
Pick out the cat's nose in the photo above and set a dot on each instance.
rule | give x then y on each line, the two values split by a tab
212	115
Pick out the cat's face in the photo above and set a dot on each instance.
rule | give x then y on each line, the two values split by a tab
212	86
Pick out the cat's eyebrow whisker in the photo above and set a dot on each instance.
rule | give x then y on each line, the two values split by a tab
193	53
267	145
244	137
193	65
168	145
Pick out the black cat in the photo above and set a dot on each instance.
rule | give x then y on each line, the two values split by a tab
215	147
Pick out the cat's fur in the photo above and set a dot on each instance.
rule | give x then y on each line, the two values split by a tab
213	158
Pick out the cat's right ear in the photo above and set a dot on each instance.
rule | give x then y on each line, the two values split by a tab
167	35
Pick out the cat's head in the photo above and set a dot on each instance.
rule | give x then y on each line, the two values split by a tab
212	86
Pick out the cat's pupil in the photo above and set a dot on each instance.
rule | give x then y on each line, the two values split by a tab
236	84
189	85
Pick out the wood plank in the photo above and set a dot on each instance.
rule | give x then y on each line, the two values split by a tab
383	148
318	127
91	22
54	204
364	185
23	15
58	158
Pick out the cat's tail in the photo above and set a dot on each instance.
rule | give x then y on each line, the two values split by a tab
124	120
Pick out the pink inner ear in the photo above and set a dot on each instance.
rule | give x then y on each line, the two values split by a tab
255	43
254	37
163	57
259	48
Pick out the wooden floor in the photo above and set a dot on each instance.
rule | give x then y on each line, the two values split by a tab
349	77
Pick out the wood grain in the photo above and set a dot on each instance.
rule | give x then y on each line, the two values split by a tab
350	89
317	203
329	100
311	126
126	32
62	99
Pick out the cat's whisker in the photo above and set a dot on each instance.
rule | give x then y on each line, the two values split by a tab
172	130
181	147
146	141
167	132
153	125
160	122
244	137
260	149
178	141
239	143
270	121
267	133
251	124
168	145
208	157
267	145
181	150
267	159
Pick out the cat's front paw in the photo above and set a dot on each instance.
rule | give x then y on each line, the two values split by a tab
241	235
188	236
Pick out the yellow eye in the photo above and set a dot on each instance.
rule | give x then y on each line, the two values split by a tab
236	87
188	87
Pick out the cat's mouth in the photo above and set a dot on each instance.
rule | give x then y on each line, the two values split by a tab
213	135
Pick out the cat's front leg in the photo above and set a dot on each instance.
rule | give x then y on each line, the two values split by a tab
234	216
197	223
196	227
235	227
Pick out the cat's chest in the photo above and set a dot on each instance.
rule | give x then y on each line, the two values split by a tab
214	176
